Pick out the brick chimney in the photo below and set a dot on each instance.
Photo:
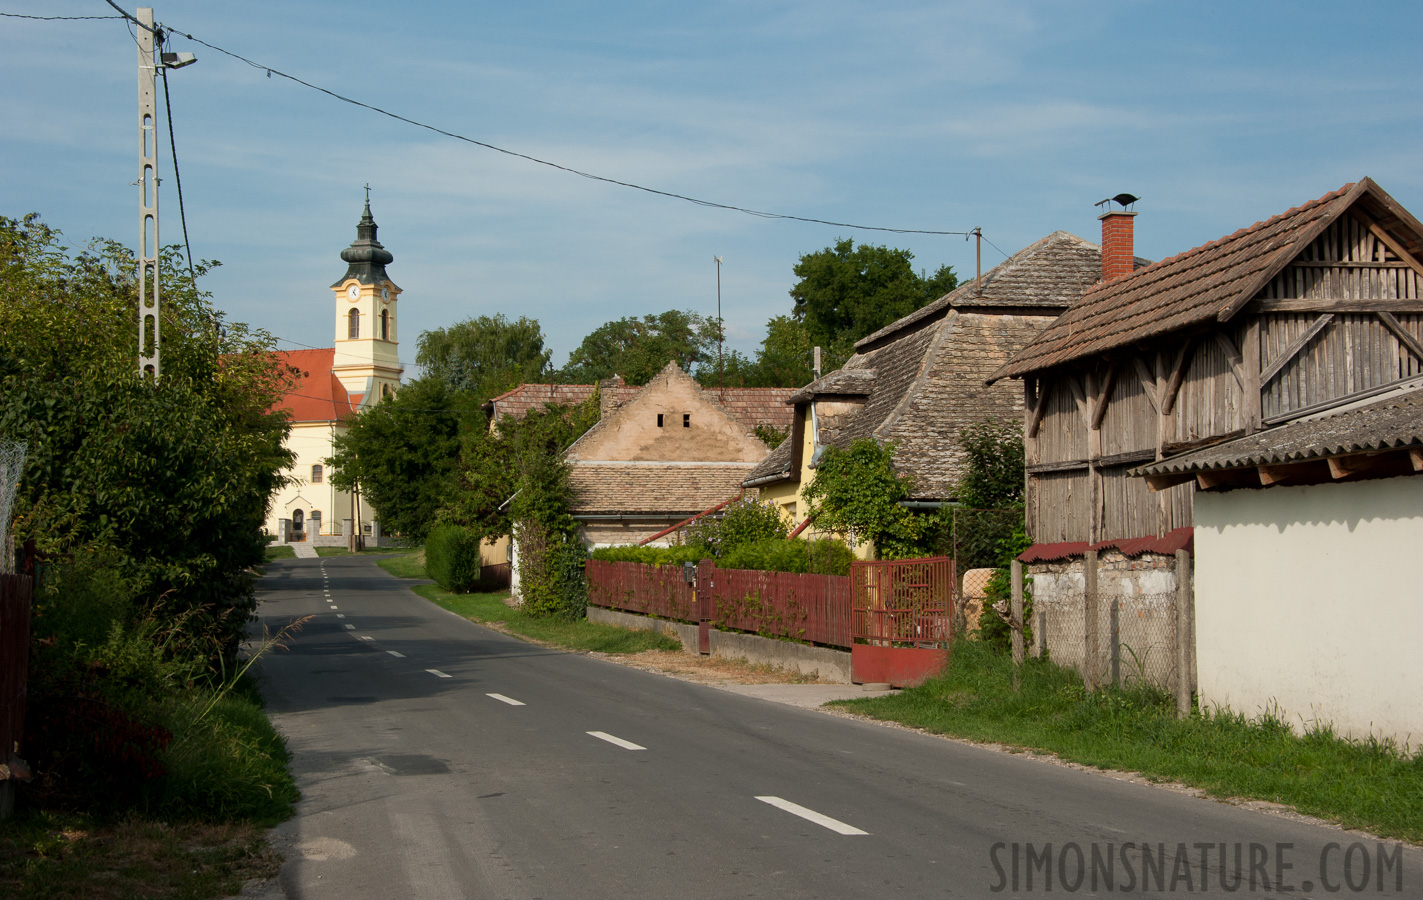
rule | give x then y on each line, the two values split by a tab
607	400
1118	244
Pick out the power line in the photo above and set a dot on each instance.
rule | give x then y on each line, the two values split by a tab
553	165
177	177
57	18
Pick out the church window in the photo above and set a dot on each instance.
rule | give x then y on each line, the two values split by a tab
298	521
316	474
385	324
384	391
353	324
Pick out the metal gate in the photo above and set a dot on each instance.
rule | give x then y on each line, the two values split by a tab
902	614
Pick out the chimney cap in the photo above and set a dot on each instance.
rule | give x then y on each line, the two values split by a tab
1124	199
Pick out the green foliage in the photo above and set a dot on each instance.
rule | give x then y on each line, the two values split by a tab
787	354
452	557
175	477
402	453
120	718
856	491
639	348
739	522
819	557
484	356
770	435
993	627
847	292
572	634
652	556
551	582
993	465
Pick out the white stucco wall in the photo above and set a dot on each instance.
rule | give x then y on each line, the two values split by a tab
311	442
1311	598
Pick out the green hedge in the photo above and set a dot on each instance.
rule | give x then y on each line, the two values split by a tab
824	557
452	558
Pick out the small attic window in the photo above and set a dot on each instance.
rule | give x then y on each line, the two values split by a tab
686	420
659	420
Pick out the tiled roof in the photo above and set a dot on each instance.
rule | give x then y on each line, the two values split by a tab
1040	275
922	378
318	395
1208	284
748	406
1393	421
674	489
1167	545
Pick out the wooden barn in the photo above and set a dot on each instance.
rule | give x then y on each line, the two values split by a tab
1291	317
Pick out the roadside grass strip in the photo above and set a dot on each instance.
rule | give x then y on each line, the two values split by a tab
396	653
616	741
811	815
438	674
509	700
1374	785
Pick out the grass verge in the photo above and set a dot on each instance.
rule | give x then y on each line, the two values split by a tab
1359	784
342	551
410	564
50	855
576	634
280	551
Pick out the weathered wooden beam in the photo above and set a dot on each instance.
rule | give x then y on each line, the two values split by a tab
1211	478
1346	264
1178	374
1344	466
1403	335
1155	483
1232	356
1337	305
1035	417
1148	383
1394	245
1415	455
1276	474
1130	456
1063	465
1298	344
1079	395
1104	396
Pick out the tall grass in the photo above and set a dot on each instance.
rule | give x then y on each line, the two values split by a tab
1360	784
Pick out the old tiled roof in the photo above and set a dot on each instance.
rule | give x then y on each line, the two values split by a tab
1167	545
674	489
318	395
1208	284
749	406
1391	422
1038	276
922	378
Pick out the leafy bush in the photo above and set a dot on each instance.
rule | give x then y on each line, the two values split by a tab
741	522
551	573
822	557
856	491
651	556
452	557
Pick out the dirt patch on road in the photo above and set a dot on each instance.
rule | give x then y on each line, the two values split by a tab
707	669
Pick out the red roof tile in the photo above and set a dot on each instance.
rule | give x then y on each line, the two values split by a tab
318	395
1167	544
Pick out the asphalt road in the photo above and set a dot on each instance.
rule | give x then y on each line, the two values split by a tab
439	759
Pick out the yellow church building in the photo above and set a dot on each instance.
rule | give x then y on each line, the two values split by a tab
333	384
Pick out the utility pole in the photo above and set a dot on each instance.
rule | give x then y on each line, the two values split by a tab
719	331
148	290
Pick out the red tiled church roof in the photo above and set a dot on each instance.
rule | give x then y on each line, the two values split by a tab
318	395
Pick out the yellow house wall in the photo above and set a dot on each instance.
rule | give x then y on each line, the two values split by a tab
786	494
311	442
368	361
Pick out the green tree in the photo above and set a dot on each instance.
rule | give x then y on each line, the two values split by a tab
846	292
856	491
485	355
639	348
786	354
171	478
403	453
993	466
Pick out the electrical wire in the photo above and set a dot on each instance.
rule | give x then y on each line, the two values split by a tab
553	165
994	246
56	18
178	177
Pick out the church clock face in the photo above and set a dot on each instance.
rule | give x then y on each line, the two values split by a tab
353	292
385	294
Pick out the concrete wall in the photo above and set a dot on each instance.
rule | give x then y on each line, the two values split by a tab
1309	598
829	664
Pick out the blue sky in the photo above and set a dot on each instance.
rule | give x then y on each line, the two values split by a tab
1013	116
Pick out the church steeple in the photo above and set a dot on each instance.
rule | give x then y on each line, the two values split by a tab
366	256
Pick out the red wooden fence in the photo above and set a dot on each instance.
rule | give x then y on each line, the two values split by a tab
904	601
813	608
635	587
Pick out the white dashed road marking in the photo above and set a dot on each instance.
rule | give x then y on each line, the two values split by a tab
438	674
340	615
396	653
811	815
509	700
617	741
366	637
350	628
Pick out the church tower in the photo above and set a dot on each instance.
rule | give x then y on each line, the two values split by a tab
367	357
